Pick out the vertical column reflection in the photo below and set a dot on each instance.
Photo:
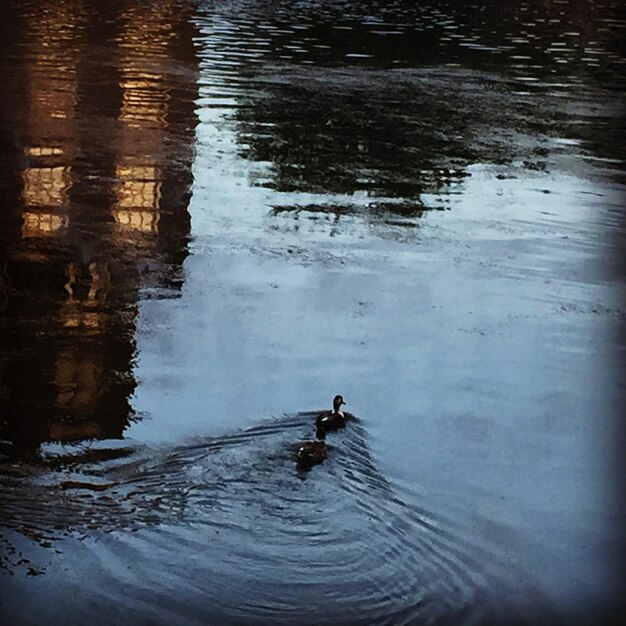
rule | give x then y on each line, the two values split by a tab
104	118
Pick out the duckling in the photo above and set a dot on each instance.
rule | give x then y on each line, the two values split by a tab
335	419
313	452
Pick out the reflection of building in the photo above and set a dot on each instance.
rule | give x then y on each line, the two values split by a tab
96	202
50	123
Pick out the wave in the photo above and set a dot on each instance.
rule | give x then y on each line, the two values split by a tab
257	538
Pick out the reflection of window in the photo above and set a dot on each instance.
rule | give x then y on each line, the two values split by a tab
143	194
145	221
46	186
38	224
138	196
139	187
143	98
43	151
89	321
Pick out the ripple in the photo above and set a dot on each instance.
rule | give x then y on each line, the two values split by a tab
293	533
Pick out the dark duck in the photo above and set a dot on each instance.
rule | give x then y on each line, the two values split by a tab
313	452
335	419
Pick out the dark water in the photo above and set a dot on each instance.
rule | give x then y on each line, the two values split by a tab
216	215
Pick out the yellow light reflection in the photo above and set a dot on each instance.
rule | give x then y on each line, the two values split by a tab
46	186
41	224
138	195
89	321
43	151
145	38
52	61
144	99
144	221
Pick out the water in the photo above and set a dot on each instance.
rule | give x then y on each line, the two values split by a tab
218	215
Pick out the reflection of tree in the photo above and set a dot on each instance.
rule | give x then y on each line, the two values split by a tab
387	140
98	212
375	122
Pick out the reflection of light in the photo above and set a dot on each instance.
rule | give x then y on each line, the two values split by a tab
136	172
37	224
42	151
46	186
139	186
139	193
52	63
83	320
144	45
146	221
52	97
143	98
138	196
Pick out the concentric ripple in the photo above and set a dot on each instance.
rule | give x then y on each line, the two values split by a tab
337	544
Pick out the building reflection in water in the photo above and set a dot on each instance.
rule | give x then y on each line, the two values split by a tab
97	212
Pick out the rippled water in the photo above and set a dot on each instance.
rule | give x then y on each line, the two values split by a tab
239	502
218	213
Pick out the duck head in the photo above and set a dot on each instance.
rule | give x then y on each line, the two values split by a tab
337	402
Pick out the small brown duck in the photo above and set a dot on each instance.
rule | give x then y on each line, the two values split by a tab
335	419
313	452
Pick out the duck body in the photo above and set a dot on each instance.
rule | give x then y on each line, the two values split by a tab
312	452
332	420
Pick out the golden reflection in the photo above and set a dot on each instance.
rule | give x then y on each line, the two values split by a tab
144	221
52	71
99	282
78	314
88	321
144	44
78	369
138	195
46	186
143	99
43	151
85	374
41	224
139	186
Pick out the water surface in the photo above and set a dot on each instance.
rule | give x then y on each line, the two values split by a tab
218	215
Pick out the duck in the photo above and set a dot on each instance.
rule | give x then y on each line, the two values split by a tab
335	419
313	452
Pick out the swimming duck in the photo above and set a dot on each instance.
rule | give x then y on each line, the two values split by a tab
332	420
313	452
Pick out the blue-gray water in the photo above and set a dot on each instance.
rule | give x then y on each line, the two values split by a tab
216	215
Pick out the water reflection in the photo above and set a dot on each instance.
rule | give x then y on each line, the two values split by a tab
370	114
386	107
103	148
527	36
266	522
343	133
